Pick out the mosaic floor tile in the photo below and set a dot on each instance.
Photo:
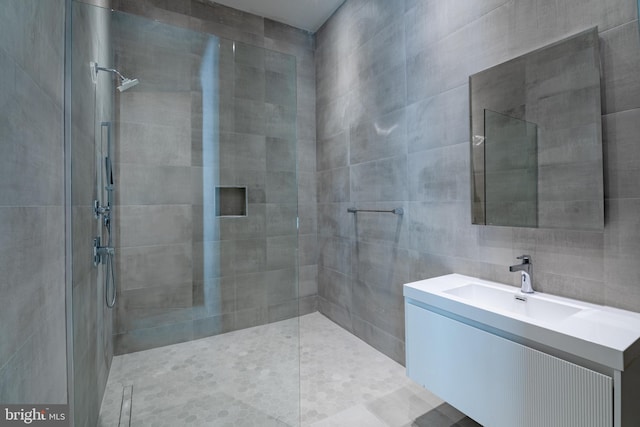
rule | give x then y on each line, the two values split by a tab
299	372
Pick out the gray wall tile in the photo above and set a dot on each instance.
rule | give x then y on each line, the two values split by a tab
426	170
146	225
380	180
33	360
149	266
373	139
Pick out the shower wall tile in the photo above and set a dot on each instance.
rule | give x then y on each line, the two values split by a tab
169	13
266	142
284	310
147	225
307	188
308	280
294	36
213	259
281	219
250	256
280	89
84	319
213	297
280	121
281	286
32	35
275	61
307	305
143	339
140	318
152	144
335	287
28	376
306	154
84	191
137	55
153	185
166	108
307	249
214	325
30	172
248	318
281	252
92	320
21	228
308	218
373	72
306	111
251	291
335	253
249	116
281	187
152	266
236	20
250	82
281	154
252	226
33	360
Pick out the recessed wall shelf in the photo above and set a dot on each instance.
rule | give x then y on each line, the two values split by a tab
231	201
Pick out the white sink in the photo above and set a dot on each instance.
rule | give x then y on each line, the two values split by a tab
604	335
514	301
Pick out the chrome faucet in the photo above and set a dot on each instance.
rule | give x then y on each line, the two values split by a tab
525	269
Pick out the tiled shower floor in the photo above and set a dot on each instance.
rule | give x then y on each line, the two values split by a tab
250	378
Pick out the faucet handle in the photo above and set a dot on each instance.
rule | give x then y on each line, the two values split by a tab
526	259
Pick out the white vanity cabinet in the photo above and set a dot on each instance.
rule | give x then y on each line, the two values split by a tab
502	368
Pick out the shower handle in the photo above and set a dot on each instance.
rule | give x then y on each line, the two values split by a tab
99	209
99	252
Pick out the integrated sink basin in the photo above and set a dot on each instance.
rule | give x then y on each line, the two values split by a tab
604	335
533	306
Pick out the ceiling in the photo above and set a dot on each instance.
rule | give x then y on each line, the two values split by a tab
305	14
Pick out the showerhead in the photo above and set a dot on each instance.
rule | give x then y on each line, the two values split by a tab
127	84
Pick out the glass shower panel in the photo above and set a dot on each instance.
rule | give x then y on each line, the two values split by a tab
212	122
510	170
92	100
206	207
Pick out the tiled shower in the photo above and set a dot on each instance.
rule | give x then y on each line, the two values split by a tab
382	85
206	181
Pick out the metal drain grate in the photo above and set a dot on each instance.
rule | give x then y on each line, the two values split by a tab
125	407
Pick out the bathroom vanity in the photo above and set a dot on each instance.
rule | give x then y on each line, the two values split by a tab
510	359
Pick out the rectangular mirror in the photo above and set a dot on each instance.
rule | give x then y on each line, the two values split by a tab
536	139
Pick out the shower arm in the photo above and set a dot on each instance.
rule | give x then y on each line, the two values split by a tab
110	70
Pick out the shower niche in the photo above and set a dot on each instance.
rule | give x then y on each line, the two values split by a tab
231	201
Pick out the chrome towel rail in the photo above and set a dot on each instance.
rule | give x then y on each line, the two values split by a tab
396	211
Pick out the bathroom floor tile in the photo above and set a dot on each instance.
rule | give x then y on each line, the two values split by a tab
298	372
